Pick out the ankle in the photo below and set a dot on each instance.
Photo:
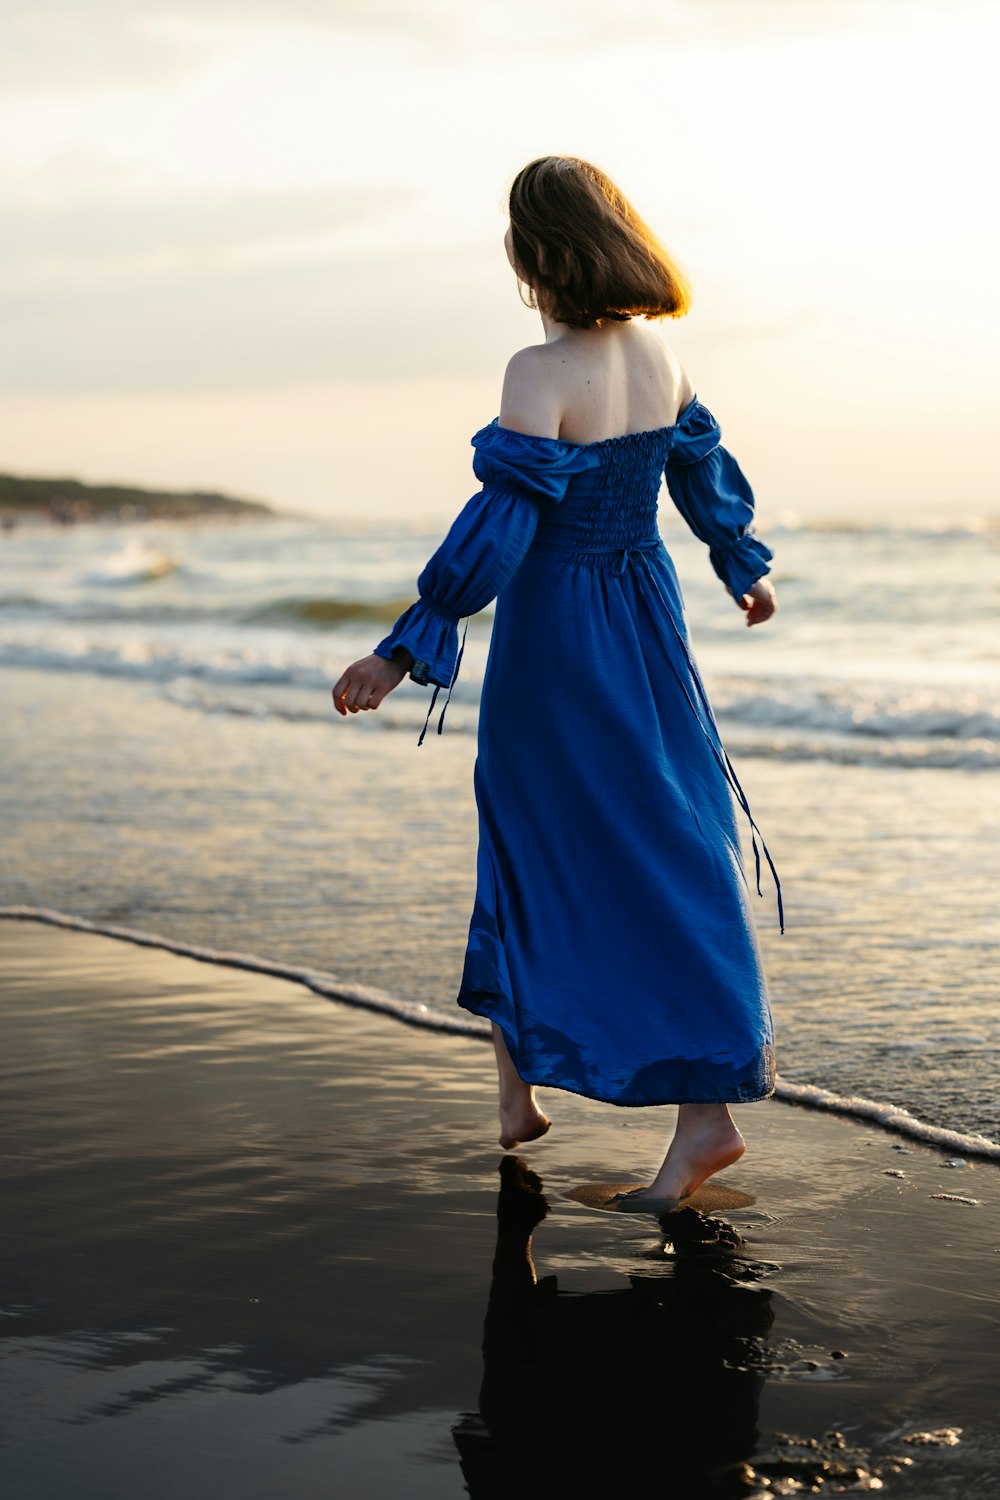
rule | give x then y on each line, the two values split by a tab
517	1096
707	1117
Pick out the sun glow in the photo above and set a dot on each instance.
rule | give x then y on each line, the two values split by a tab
277	222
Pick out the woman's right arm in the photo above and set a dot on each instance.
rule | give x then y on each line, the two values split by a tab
483	549
368	681
519	471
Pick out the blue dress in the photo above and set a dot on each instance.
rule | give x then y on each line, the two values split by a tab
611	938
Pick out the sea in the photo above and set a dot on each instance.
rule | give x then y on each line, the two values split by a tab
173	768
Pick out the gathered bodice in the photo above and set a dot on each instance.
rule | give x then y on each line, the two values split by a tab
604	493
610	506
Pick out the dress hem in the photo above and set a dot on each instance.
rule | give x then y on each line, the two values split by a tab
546	1083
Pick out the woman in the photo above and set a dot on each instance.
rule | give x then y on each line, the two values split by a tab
611	943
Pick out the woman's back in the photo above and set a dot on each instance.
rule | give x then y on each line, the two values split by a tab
604	382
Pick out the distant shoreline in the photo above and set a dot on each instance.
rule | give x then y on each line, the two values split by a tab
66	502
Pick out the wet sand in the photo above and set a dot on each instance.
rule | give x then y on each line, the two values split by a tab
264	1244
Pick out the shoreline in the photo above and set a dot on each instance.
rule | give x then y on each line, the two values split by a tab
45	519
412	1013
272	1223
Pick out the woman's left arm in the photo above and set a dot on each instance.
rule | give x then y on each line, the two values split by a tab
713	495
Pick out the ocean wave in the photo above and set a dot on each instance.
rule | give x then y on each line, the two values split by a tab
222	661
919	528
313	613
136	562
878	1112
847	708
159	662
963	755
325	612
846	722
22	601
913	755
397	713
873	710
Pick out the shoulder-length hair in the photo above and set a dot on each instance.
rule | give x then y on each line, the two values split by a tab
583	252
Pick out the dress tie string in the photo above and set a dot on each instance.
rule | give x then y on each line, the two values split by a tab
437	689
430	710
717	747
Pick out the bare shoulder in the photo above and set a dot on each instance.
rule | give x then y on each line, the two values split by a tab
530	402
679	376
686	392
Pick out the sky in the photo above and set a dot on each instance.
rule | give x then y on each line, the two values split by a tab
256	245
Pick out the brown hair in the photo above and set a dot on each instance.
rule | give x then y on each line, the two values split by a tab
582	250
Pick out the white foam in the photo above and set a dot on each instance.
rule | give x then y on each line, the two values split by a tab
897	710
945	725
136	562
890	1116
324	984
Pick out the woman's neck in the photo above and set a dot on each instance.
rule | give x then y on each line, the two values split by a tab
555	331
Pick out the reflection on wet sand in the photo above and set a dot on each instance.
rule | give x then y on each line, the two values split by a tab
246	1253
587	1392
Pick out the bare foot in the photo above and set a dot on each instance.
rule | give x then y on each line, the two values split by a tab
642	1200
521	1121
695	1154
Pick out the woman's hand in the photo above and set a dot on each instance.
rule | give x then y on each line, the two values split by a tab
760	602
367	682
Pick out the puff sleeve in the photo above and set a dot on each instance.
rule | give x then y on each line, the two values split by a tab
485	546
713	495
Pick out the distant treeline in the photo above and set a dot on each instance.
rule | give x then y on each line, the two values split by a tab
71	500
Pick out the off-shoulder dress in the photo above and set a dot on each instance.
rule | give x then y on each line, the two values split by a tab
612	937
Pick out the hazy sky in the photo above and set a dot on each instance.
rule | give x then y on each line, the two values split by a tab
257	244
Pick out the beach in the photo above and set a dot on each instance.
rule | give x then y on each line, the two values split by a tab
260	1235
260	1242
